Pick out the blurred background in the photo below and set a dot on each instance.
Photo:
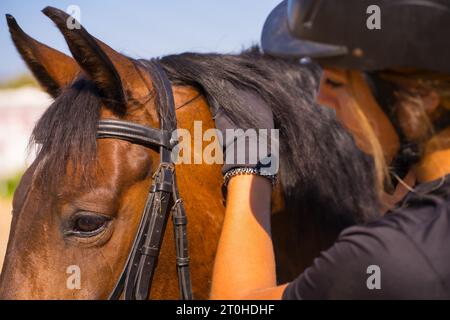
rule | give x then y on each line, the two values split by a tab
138	28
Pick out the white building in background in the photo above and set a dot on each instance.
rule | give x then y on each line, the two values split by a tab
19	111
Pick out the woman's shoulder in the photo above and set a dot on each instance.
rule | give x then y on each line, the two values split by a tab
427	204
419	227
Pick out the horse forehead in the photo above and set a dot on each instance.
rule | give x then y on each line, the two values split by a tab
141	111
24	187
121	161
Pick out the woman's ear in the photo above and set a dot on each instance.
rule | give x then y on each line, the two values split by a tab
53	69
431	101
413	113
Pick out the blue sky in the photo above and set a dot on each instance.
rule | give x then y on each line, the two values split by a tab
139	28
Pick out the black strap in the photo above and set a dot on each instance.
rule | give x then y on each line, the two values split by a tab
137	243
143	265
135	133
137	274
181	245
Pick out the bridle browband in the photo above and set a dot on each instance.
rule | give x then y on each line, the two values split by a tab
137	275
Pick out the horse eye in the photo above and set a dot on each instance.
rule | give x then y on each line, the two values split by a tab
87	225
332	83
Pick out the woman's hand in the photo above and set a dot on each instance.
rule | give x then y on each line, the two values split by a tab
253	148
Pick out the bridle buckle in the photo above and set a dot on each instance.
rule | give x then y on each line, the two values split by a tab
163	165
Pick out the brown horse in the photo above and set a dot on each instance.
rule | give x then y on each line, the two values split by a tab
81	200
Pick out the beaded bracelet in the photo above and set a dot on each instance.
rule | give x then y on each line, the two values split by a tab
240	171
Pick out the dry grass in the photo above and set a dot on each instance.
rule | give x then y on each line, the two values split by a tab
5	221
24	80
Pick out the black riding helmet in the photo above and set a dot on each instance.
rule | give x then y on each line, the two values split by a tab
412	33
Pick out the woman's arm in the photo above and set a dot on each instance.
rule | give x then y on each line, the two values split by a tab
245	262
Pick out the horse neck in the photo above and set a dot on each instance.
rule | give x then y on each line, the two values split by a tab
200	188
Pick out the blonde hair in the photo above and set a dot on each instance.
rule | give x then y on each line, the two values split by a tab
411	87
413	83
362	95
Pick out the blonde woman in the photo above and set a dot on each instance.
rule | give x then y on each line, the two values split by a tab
387	75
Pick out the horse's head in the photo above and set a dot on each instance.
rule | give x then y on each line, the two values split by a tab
76	210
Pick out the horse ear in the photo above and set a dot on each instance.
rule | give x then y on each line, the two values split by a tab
110	70
53	69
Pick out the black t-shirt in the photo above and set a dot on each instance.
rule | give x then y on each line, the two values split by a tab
404	255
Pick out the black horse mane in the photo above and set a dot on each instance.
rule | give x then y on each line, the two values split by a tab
321	170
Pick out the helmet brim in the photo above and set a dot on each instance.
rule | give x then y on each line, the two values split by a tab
276	39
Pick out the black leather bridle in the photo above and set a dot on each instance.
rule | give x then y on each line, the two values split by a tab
137	275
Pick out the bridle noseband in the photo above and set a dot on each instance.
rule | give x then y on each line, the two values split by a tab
137	275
